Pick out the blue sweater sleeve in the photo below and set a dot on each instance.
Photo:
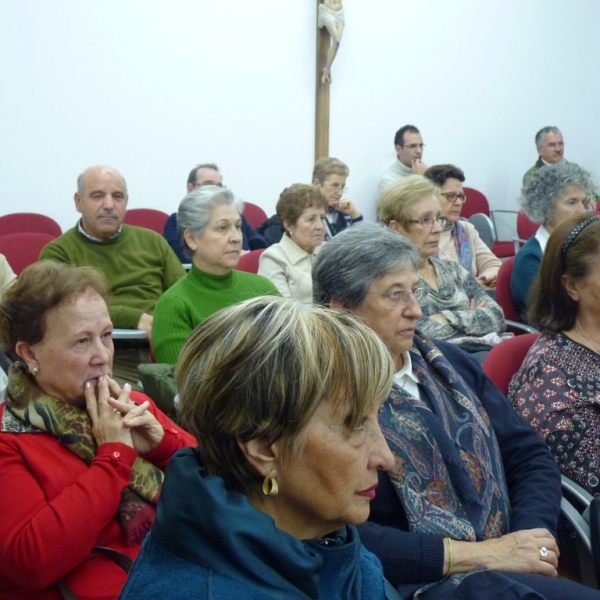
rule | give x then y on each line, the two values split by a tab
251	239
170	234
525	272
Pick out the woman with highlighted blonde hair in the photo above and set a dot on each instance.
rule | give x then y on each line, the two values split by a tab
287	461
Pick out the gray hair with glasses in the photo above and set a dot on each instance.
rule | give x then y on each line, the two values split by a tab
195	210
547	184
350	262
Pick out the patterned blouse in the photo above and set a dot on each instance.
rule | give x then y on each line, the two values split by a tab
557	392
456	288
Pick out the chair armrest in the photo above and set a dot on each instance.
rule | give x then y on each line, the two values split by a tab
575	491
579	524
500	210
519	243
129	334
521	326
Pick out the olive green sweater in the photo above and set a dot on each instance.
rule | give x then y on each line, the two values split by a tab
193	299
138	264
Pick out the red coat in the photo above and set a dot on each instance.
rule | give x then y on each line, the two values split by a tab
54	508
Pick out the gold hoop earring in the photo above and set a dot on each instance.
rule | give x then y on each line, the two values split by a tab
35	371
270	487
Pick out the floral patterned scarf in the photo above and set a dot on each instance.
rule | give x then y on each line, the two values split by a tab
461	243
448	470
73	428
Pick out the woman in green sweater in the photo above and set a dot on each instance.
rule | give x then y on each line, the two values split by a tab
209	226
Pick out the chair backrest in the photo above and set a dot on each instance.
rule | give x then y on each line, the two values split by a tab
505	359
29	222
23	248
503	293
485	228
254	214
526	228
249	261
150	218
476	203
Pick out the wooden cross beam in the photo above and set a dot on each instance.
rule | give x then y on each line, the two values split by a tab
322	95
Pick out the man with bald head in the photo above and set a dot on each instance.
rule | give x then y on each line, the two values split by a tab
137	262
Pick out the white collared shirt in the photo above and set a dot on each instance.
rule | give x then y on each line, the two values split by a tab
542	236
406	379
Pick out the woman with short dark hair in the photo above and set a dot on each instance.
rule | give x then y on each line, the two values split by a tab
557	388
459	240
288	264
81	460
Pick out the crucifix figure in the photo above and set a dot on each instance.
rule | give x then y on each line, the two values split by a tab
331	16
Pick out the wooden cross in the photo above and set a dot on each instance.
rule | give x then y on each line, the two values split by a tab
330	17
322	95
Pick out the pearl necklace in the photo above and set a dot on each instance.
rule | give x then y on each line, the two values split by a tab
585	337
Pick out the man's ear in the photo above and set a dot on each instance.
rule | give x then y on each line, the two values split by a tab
337	304
261	455
77	199
190	187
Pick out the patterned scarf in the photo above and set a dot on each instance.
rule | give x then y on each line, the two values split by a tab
73	428
461	243
448	470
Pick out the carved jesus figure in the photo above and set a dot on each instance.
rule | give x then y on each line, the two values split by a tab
331	16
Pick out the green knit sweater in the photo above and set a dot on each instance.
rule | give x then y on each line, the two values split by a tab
193	299
138	264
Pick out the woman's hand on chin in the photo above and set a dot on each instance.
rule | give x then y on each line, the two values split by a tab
146	432
107	424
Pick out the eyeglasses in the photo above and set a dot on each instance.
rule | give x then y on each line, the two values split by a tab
401	296
452	197
428	222
414	146
336	187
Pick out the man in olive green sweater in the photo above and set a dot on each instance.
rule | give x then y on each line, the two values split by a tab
137	262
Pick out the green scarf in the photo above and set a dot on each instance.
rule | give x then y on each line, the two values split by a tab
73	428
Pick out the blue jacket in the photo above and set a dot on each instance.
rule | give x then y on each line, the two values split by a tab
525	272
209	543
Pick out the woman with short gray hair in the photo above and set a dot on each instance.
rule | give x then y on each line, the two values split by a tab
209	225
550	196
472	486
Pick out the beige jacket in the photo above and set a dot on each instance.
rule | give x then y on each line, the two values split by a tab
289	268
485	262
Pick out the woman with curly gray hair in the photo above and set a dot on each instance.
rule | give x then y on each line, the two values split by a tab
550	196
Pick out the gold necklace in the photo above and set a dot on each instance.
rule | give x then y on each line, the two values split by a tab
585	337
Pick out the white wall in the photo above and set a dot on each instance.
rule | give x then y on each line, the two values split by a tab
152	87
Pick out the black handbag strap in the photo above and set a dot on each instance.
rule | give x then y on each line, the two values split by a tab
117	557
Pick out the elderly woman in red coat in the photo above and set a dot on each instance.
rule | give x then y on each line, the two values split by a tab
81	460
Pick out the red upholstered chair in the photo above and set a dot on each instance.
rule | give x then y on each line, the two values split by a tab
526	228
249	261
150	218
505	359
478	203
29	222
254	214
23	248
505	299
